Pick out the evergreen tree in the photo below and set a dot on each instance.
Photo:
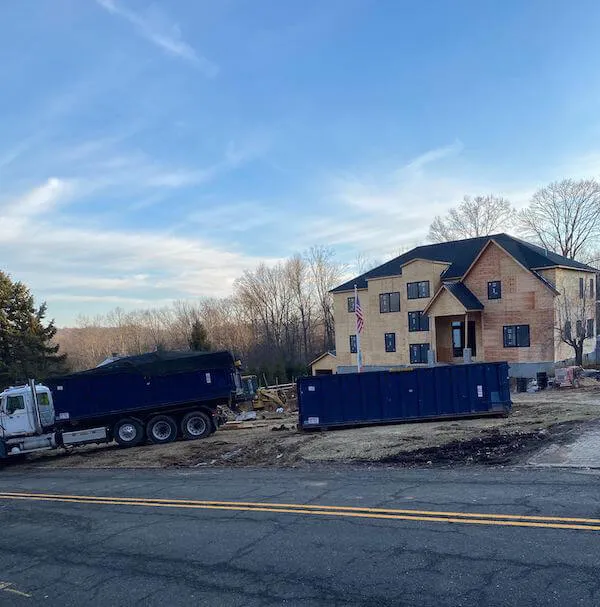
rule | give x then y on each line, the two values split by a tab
199	338
26	349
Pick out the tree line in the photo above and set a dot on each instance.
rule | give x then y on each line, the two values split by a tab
276	321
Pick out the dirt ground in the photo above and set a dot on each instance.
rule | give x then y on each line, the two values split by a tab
536	418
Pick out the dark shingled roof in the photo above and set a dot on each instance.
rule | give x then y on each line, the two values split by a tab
461	254
462	293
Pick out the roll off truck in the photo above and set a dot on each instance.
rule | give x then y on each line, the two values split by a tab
158	397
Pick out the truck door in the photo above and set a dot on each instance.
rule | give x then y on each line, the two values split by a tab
14	418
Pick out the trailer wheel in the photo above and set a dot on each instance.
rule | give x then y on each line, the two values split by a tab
196	425
128	432
161	429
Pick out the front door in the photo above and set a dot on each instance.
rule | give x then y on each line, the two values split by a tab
14	419
458	338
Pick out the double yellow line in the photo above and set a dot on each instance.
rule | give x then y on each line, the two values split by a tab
470	518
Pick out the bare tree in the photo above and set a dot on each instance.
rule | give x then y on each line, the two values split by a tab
564	217
184	315
303	295
266	296
478	216
364	263
575	314
326	273
400	250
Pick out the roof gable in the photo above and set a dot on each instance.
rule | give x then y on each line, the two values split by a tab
461	293
321	357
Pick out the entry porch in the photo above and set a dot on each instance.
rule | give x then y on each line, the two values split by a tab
455	318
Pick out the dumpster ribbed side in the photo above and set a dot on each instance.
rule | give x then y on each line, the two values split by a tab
413	394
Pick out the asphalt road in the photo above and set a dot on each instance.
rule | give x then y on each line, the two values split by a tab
267	538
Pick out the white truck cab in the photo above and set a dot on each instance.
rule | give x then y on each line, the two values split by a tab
25	421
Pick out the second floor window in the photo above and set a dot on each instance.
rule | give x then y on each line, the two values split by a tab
494	289
590	328
390	342
591	288
351	304
417	321
417	290
353	344
581	288
389	302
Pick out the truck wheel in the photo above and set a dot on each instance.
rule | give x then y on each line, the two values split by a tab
161	429
128	432
196	425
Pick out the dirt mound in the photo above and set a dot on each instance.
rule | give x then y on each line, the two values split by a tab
492	448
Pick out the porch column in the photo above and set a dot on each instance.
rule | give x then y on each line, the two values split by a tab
432	337
467	349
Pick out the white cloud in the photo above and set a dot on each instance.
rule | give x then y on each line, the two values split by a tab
380	211
179	178
155	27
74	263
18	214
113	300
97	168
82	239
236	217
432	156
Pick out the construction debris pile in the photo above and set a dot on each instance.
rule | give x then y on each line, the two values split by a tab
564	377
262	404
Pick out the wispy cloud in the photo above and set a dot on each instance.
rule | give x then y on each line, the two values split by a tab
9	156
39	200
236	217
379	211
82	238
100	264
153	25
101	166
431	156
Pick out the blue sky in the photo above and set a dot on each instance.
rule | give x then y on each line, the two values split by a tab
153	151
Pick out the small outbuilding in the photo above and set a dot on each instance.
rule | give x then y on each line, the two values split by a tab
325	364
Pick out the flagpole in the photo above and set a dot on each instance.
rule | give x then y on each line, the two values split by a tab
358	352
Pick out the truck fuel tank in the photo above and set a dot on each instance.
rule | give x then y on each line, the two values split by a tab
79	437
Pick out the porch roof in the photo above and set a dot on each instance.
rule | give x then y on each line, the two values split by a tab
461	293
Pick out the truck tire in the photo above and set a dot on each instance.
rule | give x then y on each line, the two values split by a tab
128	432
161	429
196	424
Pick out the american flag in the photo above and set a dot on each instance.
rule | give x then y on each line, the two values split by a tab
360	319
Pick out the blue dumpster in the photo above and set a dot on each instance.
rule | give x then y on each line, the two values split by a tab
423	393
